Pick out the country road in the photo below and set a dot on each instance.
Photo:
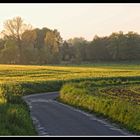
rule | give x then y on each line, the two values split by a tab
52	118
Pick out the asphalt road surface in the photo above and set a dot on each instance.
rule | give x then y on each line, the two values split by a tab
52	118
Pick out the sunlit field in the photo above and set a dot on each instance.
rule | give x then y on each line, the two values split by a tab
17	73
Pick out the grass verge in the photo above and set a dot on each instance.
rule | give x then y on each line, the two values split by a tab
14	113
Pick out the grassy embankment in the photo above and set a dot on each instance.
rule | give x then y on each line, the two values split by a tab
120	104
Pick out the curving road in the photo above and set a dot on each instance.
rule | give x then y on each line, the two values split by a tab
52	118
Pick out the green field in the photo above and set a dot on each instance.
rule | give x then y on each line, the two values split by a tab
109	83
17	73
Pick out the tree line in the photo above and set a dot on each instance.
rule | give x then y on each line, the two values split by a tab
20	43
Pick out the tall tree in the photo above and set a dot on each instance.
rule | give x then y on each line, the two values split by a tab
41	34
28	47
79	44
13	29
53	42
9	53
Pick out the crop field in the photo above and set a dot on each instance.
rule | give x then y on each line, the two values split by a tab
105	84
17	73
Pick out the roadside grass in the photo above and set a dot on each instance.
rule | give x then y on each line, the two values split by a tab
19	80
123	111
14	113
15	120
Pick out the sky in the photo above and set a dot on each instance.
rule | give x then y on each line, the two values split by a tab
75	19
